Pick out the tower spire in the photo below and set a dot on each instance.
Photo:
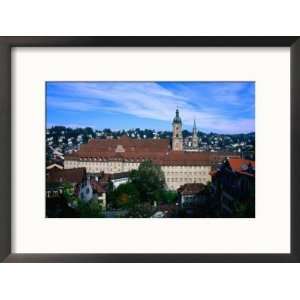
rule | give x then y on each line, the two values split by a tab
194	127
195	136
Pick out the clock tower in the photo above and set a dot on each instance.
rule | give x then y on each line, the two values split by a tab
177	141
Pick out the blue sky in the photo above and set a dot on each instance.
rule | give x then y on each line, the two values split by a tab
221	107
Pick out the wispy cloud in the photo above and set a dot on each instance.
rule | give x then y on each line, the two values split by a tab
219	107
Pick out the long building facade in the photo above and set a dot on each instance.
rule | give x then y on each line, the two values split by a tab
126	154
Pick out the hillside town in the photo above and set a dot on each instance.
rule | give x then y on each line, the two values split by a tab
148	173
62	140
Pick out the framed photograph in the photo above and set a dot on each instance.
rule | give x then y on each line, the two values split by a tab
149	149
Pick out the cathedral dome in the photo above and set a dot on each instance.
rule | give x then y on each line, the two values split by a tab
177	119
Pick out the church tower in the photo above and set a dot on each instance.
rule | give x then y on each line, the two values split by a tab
195	137
177	141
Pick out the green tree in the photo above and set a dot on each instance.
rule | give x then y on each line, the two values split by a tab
149	180
91	209
126	196
140	211
169	197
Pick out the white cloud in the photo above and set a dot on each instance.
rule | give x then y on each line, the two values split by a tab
145	100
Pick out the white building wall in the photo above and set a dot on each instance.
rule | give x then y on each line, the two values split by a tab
180	175
175	175
117	182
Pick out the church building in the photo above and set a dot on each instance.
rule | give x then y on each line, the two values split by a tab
125	154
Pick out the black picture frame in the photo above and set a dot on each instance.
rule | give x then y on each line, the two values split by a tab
6	185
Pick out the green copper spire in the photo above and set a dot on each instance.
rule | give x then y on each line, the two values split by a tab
177	119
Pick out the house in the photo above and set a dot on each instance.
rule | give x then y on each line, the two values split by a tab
100	191
93	189
54	190
118	178
233	185
57	178
57	154
192	194
115	178
81	185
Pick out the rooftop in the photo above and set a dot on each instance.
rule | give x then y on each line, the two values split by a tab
67	175
242	166
191	188
134	150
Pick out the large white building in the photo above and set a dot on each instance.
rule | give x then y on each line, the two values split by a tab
126	154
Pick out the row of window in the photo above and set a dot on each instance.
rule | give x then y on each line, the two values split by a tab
184	167
131	165
54	193
187	180
75	163
186	173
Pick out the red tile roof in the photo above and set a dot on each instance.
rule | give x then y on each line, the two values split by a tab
125	145
67	175
241	165
134	150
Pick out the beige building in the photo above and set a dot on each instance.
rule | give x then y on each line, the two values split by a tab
126	154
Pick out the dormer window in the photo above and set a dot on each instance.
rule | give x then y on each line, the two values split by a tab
120	148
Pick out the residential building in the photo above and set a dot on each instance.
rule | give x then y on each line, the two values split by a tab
192	194
233	185
74	181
